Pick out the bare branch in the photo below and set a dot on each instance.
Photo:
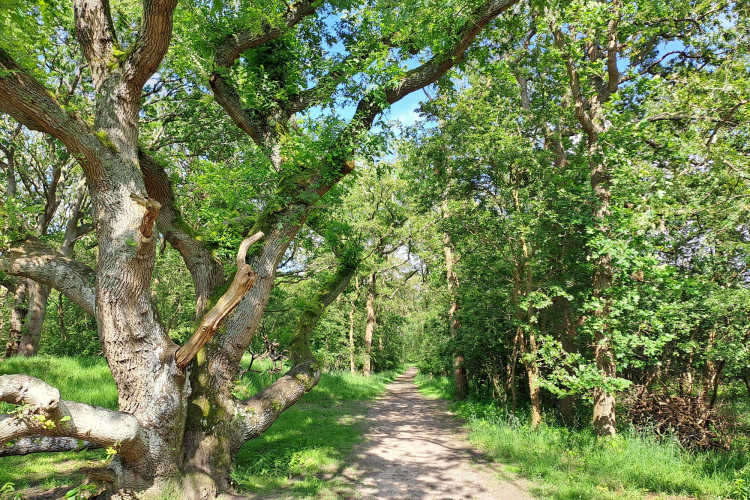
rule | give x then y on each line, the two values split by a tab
44	413
34	260
243	281
149	218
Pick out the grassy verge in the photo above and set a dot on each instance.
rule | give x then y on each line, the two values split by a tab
570	464
302	454
296	457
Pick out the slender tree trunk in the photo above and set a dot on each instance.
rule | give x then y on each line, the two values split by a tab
713	372
567	334
689	375
352	312
510	377
535	392
370	324
459	372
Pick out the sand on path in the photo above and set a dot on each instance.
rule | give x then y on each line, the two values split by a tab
414	449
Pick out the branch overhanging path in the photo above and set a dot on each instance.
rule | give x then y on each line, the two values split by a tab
414	449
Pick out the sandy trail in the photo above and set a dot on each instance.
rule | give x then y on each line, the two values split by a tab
414	449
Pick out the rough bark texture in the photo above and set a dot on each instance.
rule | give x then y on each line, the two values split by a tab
38	296
17	318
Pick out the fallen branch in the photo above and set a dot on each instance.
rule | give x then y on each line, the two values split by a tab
243	281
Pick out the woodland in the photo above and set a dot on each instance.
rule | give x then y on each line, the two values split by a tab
546	201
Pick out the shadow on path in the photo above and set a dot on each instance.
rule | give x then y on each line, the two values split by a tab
414	449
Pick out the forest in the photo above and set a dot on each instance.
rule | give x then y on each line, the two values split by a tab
542	205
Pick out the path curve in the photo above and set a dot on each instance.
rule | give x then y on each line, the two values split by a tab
414	449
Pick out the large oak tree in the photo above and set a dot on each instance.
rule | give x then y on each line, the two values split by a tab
177	418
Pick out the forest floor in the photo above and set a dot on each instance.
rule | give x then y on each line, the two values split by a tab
415	449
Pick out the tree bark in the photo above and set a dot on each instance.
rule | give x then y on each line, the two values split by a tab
371	321
352	312
17	318
589	112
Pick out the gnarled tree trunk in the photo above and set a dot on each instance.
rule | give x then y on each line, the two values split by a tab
177	419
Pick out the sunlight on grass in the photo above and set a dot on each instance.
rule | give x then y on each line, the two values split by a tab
297	455
435	387
311	441
87	380
567	464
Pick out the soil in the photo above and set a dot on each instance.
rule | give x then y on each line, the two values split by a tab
415	449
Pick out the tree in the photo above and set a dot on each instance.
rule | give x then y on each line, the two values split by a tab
177	417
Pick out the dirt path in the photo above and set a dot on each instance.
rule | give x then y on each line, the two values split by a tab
416	450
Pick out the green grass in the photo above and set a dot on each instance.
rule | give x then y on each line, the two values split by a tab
566	464
87	380
296	457
301	455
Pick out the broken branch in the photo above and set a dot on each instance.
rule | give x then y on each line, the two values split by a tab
241	284
149	218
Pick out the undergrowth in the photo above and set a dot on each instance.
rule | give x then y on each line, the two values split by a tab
567	464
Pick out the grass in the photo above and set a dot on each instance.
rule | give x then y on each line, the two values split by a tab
297	457
86	380
567	464
302	454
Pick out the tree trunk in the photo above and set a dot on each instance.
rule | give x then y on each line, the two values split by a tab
566	334
369	325
459	372
535	392
352	312
38	296
17	318
589	96
713	372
